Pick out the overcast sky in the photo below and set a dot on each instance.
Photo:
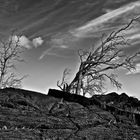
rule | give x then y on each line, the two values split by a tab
51	32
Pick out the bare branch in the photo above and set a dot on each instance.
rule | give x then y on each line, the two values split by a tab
95	64
10	54
64	84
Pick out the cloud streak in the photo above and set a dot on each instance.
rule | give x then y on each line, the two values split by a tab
58	52
94	29
60	45
106	21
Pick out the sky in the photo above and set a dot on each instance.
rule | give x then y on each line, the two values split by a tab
51	32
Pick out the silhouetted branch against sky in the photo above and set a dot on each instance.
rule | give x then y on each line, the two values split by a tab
64	83
10	54
99	64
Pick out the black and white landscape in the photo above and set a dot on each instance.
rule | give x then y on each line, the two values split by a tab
82	60
53	30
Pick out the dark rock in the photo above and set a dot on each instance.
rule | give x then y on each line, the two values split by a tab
69	97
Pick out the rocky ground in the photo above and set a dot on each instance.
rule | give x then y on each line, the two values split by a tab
26	115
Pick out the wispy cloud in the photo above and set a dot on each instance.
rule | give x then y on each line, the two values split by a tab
135	71
26	42
59	45
55	44
59	52
107	21
112	20
135	36
59	42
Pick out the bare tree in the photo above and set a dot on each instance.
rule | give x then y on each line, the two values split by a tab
10	53
100	63
64	83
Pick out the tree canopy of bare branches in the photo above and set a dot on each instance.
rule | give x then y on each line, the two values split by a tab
100	63
10	53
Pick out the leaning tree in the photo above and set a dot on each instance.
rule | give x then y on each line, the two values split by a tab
100	63
10	54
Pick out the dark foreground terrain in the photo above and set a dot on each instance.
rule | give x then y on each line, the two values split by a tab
26	115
